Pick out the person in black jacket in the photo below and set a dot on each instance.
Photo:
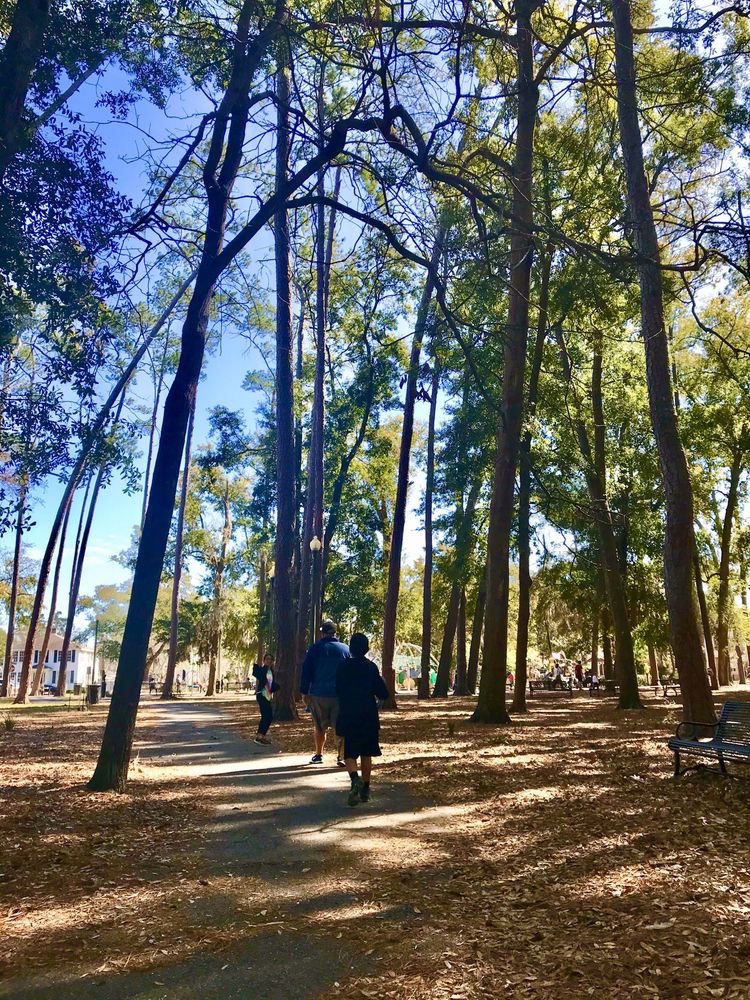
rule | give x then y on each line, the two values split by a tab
358	685
265	688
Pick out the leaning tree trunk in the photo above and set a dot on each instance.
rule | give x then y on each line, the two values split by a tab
423	689
13	598
223	161
286	641
158	386
18	61
36	682
724	603
524	497
168	686
491	704
472	671
609	672
402	483
679	542
75	583
83	456
461	685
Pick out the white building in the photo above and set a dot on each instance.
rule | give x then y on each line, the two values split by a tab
81	669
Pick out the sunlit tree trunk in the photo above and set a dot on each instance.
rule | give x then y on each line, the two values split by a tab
13	597
725	601
462	549
524	495
158	385
75	583
461	686
472	672
402	482
491	704
36	682
679	543
708	638
217	598
174	619
423	690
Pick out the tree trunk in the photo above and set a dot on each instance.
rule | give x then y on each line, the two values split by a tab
80	464
13	599
609	672
152	429
461	686
218	593
286	641
402	483
75	583
36	682
167	690
262	607
679	543
595	473
524	496
462	547
595	642
18	61
442	681
472	672
222	164
491	704
705	622
725	601
423	690
653	667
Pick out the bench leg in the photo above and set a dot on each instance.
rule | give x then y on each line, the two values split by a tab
676	764
723	766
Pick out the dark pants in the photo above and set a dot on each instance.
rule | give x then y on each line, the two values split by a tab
266	714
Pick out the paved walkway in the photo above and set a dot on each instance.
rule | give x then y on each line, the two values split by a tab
277	817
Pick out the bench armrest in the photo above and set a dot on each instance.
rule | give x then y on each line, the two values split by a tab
695	726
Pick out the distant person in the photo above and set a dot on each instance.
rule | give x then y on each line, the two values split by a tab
578	671
265	688
318	684
151	685
557	680
359	684
104	684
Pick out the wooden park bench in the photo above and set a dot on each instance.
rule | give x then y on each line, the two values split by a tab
668	686
730	740
567	686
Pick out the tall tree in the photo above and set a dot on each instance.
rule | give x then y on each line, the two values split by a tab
679	542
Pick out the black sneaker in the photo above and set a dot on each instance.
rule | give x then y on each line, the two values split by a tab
317	758
364	792
355	795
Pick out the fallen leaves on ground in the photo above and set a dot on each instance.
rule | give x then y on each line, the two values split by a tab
552	858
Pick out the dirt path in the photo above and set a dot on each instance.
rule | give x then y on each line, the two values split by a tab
278	824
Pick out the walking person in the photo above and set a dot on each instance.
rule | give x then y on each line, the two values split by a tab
318	684
265	688
359	684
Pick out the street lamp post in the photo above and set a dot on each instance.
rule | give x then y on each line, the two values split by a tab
315	548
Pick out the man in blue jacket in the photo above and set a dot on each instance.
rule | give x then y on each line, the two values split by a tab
318	684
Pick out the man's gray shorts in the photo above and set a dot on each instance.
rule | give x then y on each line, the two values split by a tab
324	712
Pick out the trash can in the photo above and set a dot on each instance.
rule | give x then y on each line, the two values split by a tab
76	689
93	694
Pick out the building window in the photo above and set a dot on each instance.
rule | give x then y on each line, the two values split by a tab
46	657
36	656
56	656
54	677
71	656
